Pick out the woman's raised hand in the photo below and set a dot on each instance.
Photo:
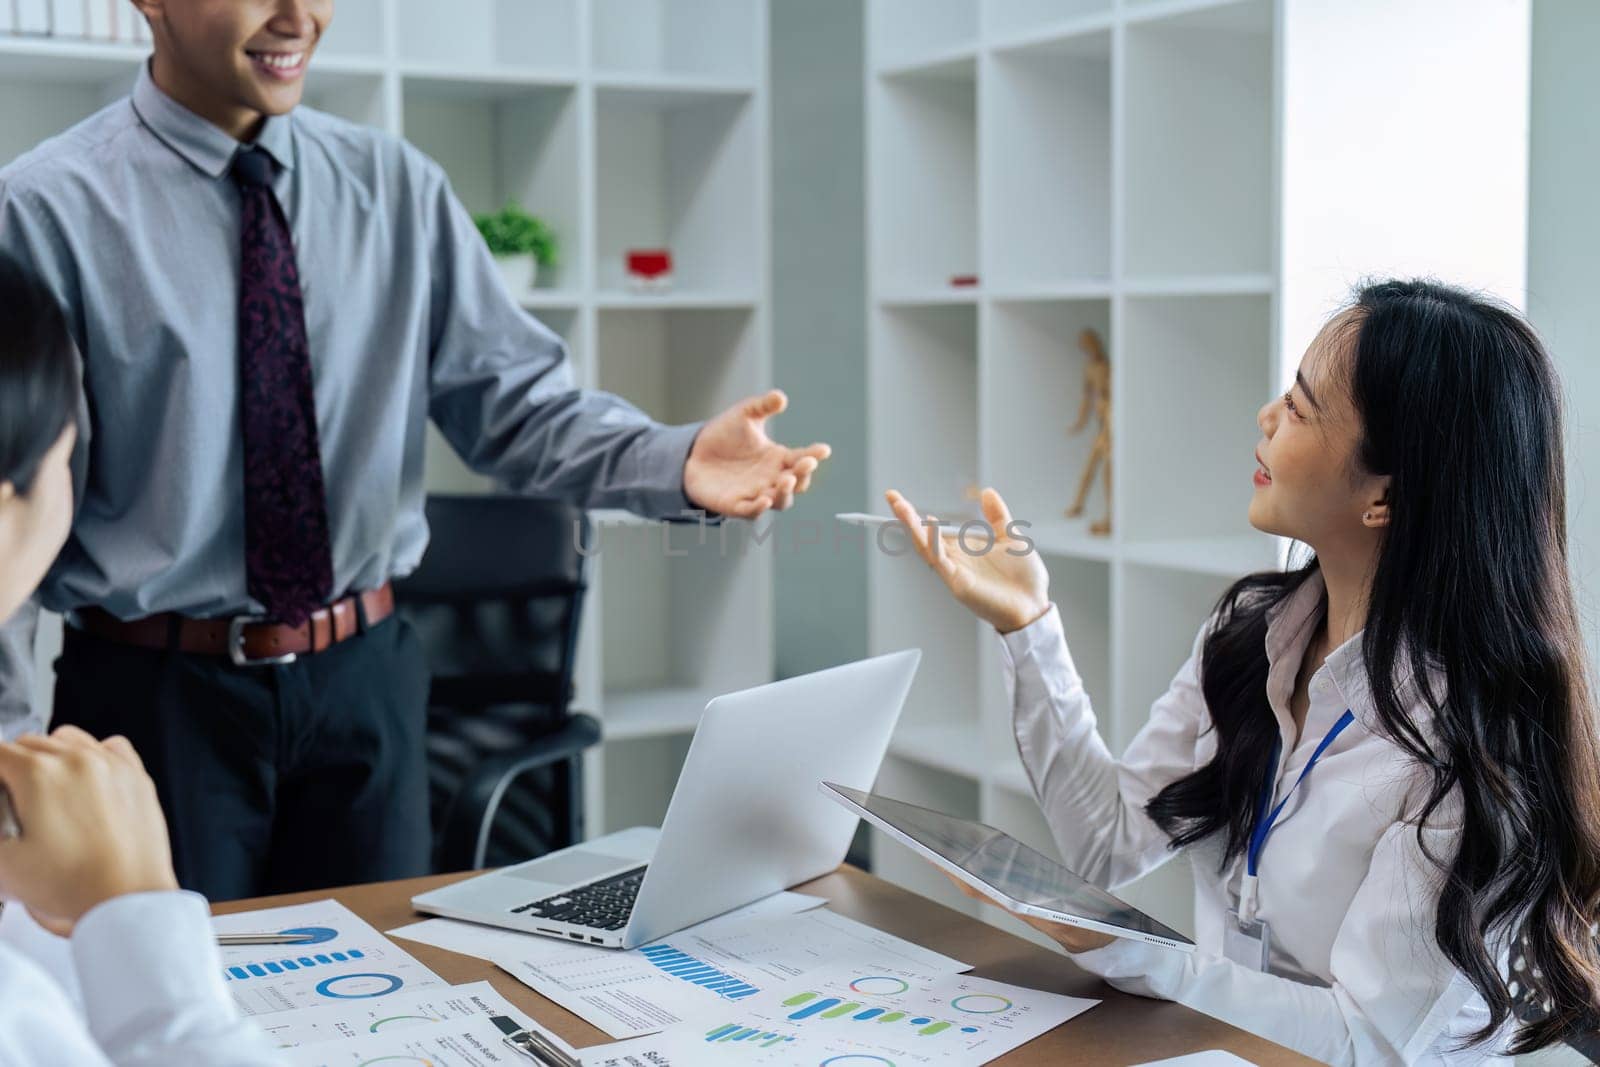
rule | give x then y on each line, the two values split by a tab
1005	585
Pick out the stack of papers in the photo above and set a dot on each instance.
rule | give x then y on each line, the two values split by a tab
347	961
782	981
351	996
855	1015
722	961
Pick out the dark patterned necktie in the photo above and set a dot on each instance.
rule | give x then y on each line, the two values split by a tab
288	561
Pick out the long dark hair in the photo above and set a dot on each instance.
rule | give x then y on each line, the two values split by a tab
39	384
1459	405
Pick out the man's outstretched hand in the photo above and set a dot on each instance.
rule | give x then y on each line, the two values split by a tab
735	469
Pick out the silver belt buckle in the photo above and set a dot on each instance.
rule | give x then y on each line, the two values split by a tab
236	627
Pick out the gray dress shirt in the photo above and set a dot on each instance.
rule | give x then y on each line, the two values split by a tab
132	220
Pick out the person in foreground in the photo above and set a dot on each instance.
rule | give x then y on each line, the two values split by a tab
1414	696
93	927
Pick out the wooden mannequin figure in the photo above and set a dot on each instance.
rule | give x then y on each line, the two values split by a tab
1096	401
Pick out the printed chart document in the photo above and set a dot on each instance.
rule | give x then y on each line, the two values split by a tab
725	961
494	943
1210	1058
397	1011
345	961
474	1041
859	1016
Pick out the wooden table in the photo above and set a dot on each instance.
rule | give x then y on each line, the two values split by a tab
1122	1029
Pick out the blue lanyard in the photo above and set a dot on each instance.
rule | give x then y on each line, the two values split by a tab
1265	821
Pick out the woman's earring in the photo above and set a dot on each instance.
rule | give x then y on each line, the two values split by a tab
1367	517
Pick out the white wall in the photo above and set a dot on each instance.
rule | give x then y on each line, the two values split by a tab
1564	258
1461	63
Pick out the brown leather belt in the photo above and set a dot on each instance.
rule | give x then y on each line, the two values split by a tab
247	640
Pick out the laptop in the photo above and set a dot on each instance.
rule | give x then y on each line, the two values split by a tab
745	821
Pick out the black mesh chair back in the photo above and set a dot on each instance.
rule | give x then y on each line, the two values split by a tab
496	602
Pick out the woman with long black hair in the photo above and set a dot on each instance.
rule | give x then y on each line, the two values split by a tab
1382	764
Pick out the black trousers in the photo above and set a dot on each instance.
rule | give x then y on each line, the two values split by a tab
273	779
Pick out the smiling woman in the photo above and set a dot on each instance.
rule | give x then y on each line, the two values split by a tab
234	62
1425	662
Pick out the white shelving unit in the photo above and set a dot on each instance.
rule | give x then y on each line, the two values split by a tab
625	124
1120	164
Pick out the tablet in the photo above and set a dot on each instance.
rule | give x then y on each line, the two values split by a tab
1004	869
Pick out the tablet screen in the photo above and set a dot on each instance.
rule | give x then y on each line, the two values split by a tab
1007	865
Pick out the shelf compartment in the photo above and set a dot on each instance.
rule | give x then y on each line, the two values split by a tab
685	299
356	30
64	62
683	607
923	381
682	621
679	171
519	143
1230	557
910	608
1004	20
650	766
1163	611
1081	590
490	33
1194	373
924	179
901	32
1047	185
954	747
707	38
636	713
1199	142
1033	386
37	111
352	95
949	295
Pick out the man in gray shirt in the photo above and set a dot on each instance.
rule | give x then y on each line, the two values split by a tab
270	303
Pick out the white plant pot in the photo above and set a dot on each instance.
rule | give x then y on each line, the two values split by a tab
519	272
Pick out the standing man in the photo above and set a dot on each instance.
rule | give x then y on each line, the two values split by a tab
271	303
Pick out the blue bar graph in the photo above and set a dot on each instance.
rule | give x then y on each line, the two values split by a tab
698	972
271	967
755	1035
815	1008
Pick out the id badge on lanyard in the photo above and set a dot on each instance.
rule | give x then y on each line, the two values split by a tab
1246	937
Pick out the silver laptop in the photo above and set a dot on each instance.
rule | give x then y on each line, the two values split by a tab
745	821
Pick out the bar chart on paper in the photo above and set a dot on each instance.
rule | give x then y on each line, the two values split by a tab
852	1017
344	960
695	971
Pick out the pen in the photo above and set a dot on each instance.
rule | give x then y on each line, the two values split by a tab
862	518
265	939
533	1044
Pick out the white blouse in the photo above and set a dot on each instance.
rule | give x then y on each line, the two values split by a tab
139	984
1356	976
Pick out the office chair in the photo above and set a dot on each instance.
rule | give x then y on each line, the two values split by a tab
496	603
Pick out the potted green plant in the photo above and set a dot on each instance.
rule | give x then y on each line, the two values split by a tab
521	243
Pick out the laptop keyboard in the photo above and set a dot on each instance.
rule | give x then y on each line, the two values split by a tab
599	905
